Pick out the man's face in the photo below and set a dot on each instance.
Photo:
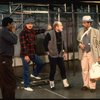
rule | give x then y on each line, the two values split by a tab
59	27
10	26
29	26
86	24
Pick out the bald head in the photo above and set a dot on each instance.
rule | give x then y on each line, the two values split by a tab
58	26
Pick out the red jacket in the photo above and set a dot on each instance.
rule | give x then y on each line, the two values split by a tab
27	42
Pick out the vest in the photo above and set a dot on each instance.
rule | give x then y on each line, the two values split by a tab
52	45
86	42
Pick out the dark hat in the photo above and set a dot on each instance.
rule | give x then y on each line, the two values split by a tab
30	20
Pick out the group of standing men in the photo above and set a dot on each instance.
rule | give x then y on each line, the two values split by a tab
89	52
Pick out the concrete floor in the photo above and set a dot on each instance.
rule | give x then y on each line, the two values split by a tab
42	90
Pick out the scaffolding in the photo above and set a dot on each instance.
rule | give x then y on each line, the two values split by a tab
43	14
21	10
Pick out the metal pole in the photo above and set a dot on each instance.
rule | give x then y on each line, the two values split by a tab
10	3
88	8
98	23
73	38
65	7
10	9
48	15
2	16
58	14
22	15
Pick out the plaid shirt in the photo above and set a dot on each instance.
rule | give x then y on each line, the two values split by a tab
27	42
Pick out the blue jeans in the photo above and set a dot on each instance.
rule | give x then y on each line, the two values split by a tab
26	75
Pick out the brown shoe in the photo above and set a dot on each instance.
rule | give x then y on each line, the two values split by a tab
92	90
84	88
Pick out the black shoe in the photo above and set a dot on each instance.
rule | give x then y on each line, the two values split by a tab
84	88
68	87
92	90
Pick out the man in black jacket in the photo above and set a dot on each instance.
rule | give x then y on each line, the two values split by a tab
7	41
54	47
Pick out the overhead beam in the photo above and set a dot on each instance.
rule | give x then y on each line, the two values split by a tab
91	1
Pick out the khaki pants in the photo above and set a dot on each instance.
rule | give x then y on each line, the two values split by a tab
86	63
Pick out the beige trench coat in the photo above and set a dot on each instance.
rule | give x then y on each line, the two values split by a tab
94	43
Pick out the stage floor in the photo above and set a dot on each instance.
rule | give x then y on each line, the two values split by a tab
43	91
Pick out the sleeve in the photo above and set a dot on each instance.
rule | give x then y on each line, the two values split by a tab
23	44
78	37
10	37
46	41
98	42
64	49
79	34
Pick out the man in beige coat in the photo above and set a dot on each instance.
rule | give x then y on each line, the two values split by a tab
89	50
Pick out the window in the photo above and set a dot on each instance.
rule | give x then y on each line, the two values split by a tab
92	8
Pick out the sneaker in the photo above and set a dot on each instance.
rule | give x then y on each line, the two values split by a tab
22	82
36	77
52	85
65	82
52	88
68	87
28	89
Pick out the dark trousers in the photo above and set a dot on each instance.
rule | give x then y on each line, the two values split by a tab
57	61
7	78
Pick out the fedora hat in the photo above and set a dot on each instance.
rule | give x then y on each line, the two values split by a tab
87	19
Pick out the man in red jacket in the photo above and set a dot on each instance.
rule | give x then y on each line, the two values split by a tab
27	44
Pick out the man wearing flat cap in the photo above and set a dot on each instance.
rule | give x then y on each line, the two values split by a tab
27	53
89	50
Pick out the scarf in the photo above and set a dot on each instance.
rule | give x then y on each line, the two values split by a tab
86	32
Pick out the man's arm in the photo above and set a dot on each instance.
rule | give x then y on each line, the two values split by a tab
9	36
46	41
23	45
98	43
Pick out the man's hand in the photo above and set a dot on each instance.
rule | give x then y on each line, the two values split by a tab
82	46
65	56
27	58
13	29
47	52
